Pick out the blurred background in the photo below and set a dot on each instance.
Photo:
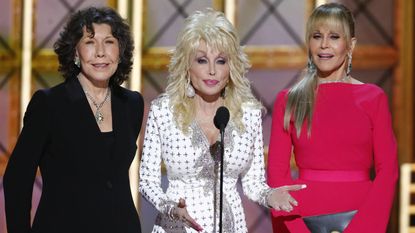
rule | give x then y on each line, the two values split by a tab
272	32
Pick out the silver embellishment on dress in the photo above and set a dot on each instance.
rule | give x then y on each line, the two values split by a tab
210	172
159	100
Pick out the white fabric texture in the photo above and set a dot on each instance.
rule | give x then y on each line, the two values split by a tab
193	175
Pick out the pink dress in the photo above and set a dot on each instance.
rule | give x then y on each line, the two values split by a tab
351	132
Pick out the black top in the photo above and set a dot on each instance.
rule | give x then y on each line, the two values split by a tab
109	140
86	185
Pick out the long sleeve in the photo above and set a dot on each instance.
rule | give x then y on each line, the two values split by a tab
22	166
150	167
373	215
253	180
351	131
137	114
280	147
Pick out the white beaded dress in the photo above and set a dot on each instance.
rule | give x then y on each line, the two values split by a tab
191	170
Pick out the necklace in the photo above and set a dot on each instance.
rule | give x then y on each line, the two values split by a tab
99	117
345	79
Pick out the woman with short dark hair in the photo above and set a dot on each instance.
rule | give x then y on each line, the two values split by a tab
81	134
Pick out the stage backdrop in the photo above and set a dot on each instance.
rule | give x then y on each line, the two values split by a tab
272	32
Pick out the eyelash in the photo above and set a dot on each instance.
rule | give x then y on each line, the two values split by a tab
204	61
107	42
221	61
334	37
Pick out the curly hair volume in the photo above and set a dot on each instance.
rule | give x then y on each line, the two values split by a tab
68	39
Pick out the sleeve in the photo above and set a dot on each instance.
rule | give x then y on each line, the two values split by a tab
253	180
373	215
150	166
280	150
138	112
23	163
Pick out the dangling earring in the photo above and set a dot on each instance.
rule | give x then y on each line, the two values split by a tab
190	91
223	93
349	66
77	62
311	67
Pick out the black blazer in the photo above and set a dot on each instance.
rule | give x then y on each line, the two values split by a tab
85	186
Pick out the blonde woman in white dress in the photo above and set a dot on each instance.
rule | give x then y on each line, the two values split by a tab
207	70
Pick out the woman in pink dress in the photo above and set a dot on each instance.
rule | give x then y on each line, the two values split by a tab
338	129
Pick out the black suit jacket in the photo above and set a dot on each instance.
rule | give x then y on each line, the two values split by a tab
85	187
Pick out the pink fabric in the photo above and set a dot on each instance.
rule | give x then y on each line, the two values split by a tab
351	130
334	175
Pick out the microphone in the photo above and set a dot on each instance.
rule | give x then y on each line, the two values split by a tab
221	118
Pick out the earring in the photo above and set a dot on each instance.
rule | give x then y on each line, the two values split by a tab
349	65
190	91
77	62
223	93
311	67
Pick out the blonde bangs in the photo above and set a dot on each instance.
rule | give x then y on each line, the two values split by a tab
301	97
335	19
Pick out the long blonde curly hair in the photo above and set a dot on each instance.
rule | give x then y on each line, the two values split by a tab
217	32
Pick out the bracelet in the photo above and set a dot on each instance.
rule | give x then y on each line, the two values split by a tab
169	208
171	212
266	195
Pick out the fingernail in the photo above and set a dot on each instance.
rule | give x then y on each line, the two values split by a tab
304	186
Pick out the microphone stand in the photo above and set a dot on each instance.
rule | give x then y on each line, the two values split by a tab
221	120
222	152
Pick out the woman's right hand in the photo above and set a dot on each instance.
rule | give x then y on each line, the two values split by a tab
180	213
280	198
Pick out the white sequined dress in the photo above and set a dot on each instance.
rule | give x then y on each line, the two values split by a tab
191	170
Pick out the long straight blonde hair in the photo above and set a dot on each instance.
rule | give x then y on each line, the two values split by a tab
301	97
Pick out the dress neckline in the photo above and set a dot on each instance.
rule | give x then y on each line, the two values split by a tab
342	84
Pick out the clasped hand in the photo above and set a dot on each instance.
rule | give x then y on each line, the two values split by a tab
180	213
280	198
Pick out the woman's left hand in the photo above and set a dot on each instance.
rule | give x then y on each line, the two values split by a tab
280	198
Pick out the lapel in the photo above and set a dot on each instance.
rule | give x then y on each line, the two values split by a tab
84	118
120	122
81	112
